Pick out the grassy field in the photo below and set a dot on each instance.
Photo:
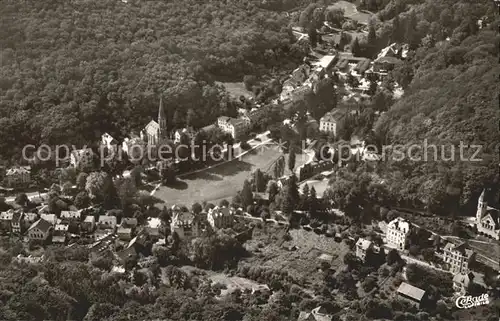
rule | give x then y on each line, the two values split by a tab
221	182
351	12
236	89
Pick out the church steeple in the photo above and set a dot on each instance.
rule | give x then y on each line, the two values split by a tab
482	206
162	119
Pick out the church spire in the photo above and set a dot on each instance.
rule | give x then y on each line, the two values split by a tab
162	119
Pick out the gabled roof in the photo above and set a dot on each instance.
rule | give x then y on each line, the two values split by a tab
411	291
494	214
16	171
42	225
70	214
51	218
152	125
363	243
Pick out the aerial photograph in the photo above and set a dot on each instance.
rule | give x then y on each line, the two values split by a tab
249	160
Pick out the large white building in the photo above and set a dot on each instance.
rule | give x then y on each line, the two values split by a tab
362	247
459	257
397	233
487	218
332	121
234	126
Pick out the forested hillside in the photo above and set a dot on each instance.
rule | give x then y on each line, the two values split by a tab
71	70
451	97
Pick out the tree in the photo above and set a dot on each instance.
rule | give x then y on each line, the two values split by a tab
313	36
372	35
355	47
191	118
224	203
291	196
272	190
126	190
246	194
82	200
304	204
22	199
168	175
196	208
291	158
81	180
249	81
312	202
352	81
396	30
135	174
393	257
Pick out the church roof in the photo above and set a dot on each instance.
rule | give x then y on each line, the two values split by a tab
161	111
152	125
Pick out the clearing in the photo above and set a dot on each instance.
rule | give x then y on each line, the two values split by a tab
351	12
223	181
236	89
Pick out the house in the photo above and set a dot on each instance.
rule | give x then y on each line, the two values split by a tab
71	216
220	217
236	127
106	222
189	132
362	247
6	220
133	147
82	157
124	233
130	222
88	224
459	257
17	222
18	176
326	62
356	66
487	218
40	230
317	314
155	131
410	293
28	219
332	121
60	233
461	282
397	233
153	227
185	224
109	142
51	218
126	255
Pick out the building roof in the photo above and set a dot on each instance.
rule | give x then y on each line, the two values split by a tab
494	214
461	248
17	171
7	216
399	224
124	230
411	291
152	126
362	65
42	225
107	219
389	60
326	61
363	243
463	279
223	118
89	219
71	214
61	227
154	222
51	218
333	116
129	221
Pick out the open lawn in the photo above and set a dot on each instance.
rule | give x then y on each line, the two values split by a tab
221	182
236	89
351	12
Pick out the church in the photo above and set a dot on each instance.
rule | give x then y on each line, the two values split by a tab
156	131
487	218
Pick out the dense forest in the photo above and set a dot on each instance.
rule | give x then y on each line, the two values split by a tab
71	70
450	99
